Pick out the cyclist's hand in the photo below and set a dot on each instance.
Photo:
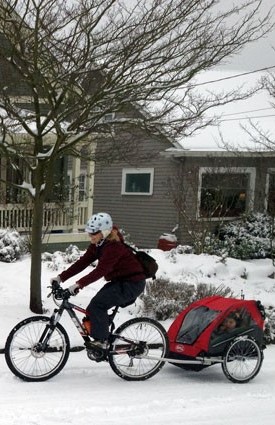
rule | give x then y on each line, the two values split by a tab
74	289
55	280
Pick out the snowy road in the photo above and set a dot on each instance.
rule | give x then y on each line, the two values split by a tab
86	392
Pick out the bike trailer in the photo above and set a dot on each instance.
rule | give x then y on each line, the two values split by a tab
198	331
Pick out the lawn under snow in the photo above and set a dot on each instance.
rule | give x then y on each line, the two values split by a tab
86	392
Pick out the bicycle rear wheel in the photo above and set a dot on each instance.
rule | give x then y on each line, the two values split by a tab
135	340
25	356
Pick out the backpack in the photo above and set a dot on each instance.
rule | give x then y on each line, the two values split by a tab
149	264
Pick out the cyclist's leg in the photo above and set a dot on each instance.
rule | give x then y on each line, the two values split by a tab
113	293
131	290
98	312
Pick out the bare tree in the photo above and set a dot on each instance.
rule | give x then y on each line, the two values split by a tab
75	61
199	212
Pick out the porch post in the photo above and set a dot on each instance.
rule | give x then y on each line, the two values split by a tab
75	192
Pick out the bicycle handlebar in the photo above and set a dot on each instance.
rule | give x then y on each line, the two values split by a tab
58	292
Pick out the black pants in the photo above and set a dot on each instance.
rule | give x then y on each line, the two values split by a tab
112	294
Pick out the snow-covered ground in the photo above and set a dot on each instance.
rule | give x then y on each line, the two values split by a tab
87	392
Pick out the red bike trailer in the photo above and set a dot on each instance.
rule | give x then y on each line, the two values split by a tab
198	338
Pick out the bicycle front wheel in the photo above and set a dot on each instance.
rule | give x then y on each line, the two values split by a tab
25	354
136	341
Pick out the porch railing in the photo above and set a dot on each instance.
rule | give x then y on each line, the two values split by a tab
56	218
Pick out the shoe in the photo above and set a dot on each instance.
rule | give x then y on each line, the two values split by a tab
87	325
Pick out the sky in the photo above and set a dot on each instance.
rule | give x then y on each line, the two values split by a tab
87	392
259	54
231	131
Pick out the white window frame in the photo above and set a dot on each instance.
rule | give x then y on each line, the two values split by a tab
110	116
251	171
127	171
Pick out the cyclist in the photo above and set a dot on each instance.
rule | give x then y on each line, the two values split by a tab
116	263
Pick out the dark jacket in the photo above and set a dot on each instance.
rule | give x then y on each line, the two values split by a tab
115	262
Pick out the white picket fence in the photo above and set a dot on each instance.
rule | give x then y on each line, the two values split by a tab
55	217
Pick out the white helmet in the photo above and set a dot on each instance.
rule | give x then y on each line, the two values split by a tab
100	222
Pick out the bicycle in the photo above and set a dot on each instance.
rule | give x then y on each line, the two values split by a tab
38	347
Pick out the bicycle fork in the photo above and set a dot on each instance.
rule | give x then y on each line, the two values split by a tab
44	339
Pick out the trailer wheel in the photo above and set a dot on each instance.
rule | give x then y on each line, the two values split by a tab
243	360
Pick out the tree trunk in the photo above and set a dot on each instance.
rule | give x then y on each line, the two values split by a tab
36	251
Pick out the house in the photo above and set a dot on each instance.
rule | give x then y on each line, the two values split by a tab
63	223
214	176
160	184
194	189
135	192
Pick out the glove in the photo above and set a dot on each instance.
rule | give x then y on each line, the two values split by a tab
74	289
56	280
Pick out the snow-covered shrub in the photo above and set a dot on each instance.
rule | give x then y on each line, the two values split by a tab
184	249
270	325
58	258
164	299
12	245
248	238
72	253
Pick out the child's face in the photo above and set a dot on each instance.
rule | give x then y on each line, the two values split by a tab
230	323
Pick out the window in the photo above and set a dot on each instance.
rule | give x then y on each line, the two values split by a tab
82	187
109	117
61	187
234	323
80	183
14	175
194	323
137	181
226	192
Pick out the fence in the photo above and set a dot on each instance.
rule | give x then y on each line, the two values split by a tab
56	218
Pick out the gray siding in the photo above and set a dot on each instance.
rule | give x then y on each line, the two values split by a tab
143	217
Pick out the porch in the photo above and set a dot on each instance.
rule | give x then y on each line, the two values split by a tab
63	224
